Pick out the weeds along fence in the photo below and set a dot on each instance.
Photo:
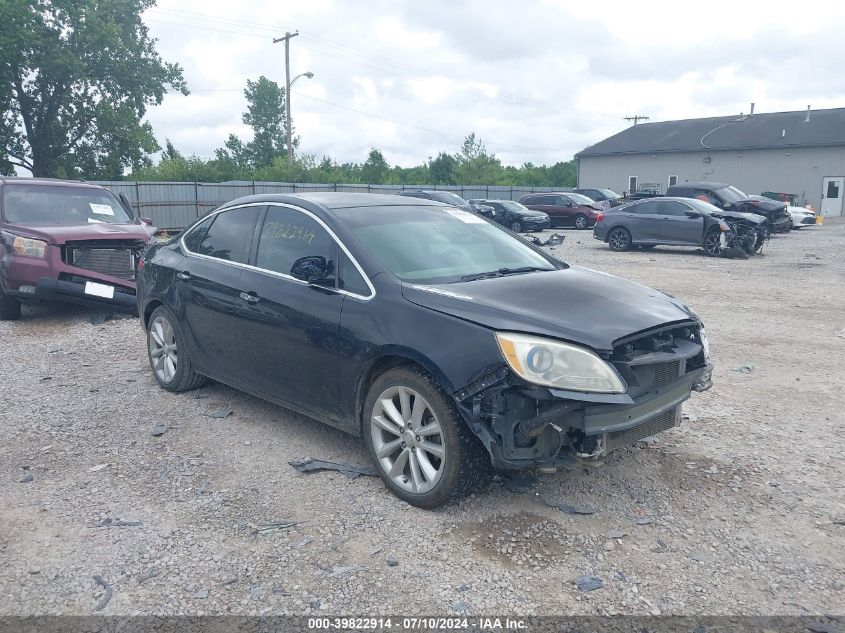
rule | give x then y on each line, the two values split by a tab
174	205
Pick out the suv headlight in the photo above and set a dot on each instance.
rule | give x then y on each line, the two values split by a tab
29	248
554	364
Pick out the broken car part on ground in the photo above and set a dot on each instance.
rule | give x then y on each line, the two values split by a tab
448	343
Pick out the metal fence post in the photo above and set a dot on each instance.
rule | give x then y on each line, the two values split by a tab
197	197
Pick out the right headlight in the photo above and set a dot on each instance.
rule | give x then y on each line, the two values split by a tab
705	344
551	363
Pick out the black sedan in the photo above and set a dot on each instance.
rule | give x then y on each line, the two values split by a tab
450	345
515	216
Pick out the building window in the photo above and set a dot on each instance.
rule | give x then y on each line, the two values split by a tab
632	183
673	180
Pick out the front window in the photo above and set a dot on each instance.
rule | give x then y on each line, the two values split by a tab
449	198
292	241
731	194
435	245
514	206
55	205
577	198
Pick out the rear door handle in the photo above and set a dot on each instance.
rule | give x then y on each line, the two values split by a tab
183	276
250	297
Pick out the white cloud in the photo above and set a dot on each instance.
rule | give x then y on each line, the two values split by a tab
537	80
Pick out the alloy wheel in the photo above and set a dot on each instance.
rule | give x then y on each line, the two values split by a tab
163	350
712	244
408	439
516	227
618	239
581	222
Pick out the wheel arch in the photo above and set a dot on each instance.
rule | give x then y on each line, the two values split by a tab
391	358
619	225
148	311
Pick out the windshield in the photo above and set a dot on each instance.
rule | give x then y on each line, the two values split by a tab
449	198
701	205
731	194
577	198
437	245
61	206
515	206
609	194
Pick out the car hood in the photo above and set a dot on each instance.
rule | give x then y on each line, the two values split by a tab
575	304
95	231
738	215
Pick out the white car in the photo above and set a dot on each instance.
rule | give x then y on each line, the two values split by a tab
801	216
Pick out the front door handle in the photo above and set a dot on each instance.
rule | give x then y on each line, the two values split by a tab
250	297
183	276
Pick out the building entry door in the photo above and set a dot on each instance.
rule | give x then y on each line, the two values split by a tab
833	194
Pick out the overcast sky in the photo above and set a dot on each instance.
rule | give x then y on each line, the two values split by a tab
536	80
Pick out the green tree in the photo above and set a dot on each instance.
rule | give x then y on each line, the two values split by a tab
375	169
442	169
76	78
266	115
170	152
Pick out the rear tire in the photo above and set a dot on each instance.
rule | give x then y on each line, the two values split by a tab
581	222
446	463
169	357
619	239
10	308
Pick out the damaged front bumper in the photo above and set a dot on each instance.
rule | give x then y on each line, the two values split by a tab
526	426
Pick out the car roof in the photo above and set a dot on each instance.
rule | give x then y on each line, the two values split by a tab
47	182
331	200
709	186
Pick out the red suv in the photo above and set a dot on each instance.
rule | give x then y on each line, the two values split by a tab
564	209
67	241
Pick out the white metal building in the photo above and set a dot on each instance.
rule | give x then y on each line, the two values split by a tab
801	153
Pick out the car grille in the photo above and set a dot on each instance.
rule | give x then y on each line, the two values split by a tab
660	422
664	373
115	262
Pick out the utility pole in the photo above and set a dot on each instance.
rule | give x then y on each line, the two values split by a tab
286	39
636	118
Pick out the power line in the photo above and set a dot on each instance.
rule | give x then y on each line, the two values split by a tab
343	53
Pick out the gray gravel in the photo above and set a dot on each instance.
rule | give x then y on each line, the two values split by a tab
740	510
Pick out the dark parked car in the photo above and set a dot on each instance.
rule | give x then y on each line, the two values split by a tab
729	198
678	222
515	216
448	343
605	197
446	197
564	209
67	241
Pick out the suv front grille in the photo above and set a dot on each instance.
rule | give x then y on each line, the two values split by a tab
115	262
664	373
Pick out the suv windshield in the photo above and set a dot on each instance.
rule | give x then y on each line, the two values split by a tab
731	194
436	245
61	206
449	198
580	199
609	194
515	206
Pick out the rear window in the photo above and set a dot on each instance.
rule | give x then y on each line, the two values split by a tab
229	235
55	205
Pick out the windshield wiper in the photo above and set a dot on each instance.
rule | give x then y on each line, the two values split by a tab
501	272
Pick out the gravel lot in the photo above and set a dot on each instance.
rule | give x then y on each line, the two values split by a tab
741	510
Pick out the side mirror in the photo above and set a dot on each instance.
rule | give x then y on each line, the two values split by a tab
314	269
692	213
728	205
147	221
124	200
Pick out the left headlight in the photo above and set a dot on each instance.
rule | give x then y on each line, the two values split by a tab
554	364
705	343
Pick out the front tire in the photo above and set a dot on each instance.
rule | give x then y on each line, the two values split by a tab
619	239
581	222
421	448
10	308
516	227
712	243
169	357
